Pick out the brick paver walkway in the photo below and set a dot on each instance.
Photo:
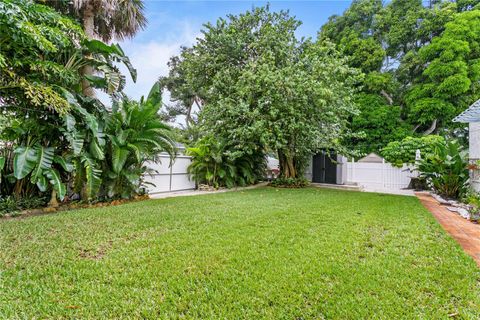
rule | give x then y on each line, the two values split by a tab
466	233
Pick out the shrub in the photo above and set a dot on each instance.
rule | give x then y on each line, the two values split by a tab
404	151
282	182
446	169
217	164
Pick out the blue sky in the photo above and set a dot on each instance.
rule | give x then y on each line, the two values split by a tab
172	24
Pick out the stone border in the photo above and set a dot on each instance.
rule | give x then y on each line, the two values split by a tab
466	233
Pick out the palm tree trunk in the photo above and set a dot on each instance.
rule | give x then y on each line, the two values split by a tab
89	28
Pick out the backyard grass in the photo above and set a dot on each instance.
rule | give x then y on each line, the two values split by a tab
263	253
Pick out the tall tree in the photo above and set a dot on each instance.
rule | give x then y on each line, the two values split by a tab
105	20
265	89
385	41
451	74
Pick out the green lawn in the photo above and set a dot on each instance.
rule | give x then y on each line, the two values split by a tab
263	253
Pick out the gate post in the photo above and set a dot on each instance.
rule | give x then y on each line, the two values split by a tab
383	173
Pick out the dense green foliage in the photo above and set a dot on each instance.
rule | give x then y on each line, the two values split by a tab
214	164
450	81
263	89
257	254
376	124
446	170
404	151
420	62
57	139
135	134
37	55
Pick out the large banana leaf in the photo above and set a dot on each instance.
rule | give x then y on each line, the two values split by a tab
93	176
126	61
96	151
43	162
66	165
113	51
96	81
24	161
90	120
55	180
42	183
114	79
76	140
69	121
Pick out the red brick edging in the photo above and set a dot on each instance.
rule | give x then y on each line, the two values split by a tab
466	233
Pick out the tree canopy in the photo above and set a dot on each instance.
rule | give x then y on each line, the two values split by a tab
58	139
419	61
264	89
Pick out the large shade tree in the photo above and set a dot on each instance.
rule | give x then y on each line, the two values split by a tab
263	88
385	41
450	78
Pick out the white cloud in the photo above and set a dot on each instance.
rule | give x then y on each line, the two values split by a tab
151	58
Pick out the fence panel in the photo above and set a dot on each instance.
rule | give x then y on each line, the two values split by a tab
379	175
169	178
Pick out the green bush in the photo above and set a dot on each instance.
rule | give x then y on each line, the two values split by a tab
282	182
404	151
217	164
446	169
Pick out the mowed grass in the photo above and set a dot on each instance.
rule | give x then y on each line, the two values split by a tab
264	253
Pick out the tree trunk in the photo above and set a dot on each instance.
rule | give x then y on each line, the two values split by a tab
432	128
287	165
53	200
89	28
387	96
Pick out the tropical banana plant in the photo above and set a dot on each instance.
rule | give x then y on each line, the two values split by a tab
108	76
446	169
57	132
38	162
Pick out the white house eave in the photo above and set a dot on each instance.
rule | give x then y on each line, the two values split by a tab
472	114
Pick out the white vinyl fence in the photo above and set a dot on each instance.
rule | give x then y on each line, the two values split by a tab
379	176
169	178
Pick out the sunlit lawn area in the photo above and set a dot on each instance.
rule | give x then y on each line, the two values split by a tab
263	253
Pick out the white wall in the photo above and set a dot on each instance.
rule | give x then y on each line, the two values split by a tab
169	178
474	153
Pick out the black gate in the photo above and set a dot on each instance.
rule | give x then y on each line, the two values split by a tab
324	168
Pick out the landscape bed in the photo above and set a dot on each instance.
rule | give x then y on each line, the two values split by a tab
263	253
